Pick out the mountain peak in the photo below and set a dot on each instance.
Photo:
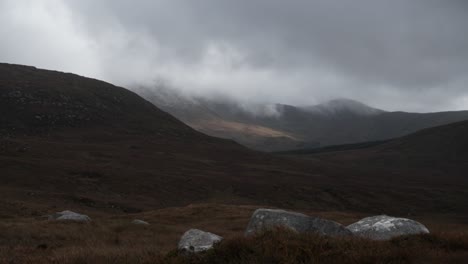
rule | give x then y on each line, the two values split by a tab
344	105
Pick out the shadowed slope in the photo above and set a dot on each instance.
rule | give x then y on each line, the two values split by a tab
34	101
434	161
448	141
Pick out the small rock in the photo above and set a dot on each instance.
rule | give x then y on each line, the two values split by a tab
69	216
195	240
139	222
264	219
383	227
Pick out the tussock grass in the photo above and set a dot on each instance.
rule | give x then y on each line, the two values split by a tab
282	246
113	239
135	244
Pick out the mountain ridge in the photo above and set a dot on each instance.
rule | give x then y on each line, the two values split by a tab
340	121
343	105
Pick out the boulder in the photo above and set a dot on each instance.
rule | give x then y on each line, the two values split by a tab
69	216
139	222
264	219
195	240
383	227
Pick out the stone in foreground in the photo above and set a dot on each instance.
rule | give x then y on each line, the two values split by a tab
264	219
195	241
69	216
383	227
139	222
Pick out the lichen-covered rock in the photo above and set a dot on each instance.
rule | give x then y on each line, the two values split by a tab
383	227
264	219
195	240
139	222
69	216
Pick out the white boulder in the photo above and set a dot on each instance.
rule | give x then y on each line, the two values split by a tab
383	227
194	241
69	216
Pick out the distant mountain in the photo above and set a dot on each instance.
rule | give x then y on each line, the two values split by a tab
278	127
225	118
343	106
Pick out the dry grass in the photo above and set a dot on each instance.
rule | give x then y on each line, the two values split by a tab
113	239
287	247
271	247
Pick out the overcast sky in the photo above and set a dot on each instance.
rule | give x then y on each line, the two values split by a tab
394	54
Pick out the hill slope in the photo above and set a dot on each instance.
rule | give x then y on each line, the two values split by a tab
432	160
448	141
444	142
34	101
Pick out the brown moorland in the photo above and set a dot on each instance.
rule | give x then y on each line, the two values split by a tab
69	142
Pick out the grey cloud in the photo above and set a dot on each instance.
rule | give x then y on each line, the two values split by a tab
409	55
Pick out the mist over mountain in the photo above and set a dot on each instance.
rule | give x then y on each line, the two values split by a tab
340	106
279	127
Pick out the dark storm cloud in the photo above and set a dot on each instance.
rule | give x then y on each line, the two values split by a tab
397	54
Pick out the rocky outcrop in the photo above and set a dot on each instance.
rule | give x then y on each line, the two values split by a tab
194	241
383	227
264	219
69	216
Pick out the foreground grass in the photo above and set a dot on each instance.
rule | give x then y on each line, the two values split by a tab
113	239
279	246
287	247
